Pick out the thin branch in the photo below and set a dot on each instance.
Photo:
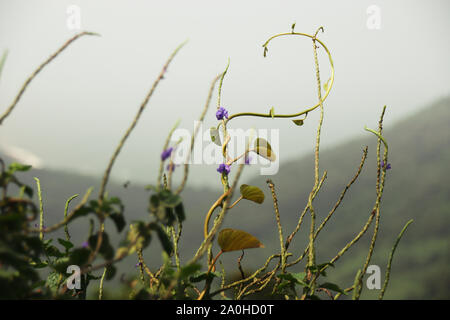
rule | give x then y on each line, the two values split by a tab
391	256
35	73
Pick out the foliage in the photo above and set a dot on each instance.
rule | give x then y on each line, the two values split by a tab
24	249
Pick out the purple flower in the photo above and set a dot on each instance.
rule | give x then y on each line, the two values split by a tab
223	168
221	113
85	244
387	167
138	264
248	159
171	167
166	153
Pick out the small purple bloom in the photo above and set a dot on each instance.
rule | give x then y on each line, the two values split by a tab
171	167
138	264
223	168
166	153
221	113
248	159
388	166
85	244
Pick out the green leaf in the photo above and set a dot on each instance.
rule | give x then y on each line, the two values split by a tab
179	211
298	122
169	199
119	220
28	191
66	244
295	277
163	237
252	193
140	235
52	251
201	276
263	148
189	270
110	272
106	250
79	256
232	240
272	112
53	280
332	286
215	136
39	265
154	202
292	27
13	167
151	187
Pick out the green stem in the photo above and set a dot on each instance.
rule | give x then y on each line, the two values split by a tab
41	209
391	256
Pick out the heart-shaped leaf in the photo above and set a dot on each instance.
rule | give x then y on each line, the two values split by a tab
232	240
263	148
252	193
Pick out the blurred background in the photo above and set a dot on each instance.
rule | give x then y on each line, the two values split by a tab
73	114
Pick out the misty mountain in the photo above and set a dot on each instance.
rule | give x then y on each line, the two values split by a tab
417	187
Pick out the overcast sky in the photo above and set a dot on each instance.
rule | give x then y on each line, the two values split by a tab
74	113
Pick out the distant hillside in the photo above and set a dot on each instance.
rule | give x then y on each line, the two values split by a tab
418	187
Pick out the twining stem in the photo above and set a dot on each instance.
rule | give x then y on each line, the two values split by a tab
35	73
331	82
391	256
211	210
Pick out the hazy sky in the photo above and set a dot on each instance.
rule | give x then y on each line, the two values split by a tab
74	113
